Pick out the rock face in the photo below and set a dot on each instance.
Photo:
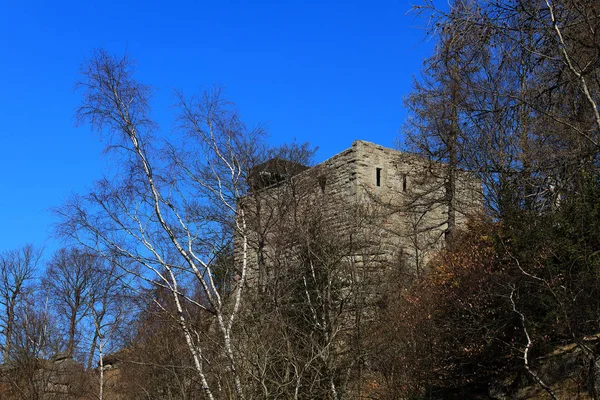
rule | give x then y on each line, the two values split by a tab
61	377
572	372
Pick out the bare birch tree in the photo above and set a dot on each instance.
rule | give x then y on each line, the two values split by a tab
170	206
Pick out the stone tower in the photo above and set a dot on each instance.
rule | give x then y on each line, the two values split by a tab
387	204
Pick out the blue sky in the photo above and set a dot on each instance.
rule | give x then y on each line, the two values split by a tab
325	72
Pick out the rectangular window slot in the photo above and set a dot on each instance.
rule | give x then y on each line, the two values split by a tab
322	183
378	176
404	183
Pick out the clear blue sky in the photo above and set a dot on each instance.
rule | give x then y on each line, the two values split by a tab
326	72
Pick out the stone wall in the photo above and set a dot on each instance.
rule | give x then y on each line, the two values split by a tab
407	191
389	202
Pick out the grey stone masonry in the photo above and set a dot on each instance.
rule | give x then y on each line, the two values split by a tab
390	202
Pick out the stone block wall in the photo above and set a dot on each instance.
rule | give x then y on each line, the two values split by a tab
387	204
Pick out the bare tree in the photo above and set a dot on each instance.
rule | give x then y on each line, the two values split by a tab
434	127
529	109
157	362
32	372
17	268
110	310
171	207
69	282
314	271
528	118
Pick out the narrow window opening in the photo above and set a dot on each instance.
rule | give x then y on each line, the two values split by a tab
378	176
404	183
322	183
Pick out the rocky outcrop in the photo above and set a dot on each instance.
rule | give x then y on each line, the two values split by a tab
572	371
60	377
